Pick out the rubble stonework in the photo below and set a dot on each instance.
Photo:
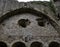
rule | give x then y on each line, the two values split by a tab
29	24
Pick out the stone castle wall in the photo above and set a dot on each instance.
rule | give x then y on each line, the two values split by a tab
31	24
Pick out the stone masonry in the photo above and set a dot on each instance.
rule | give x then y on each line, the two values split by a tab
29	24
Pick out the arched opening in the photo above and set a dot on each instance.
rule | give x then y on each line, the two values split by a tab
2	44
18	44
36	44
54	44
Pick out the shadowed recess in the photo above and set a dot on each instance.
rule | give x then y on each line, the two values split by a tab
41	21
36	44
54	44
24	22
18	44
2	44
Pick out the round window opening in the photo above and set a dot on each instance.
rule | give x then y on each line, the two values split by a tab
54	44
24	22
2	44
18	44
36	44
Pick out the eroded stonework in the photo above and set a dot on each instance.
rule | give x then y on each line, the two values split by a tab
28	24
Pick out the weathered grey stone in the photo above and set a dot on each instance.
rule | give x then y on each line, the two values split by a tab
11	31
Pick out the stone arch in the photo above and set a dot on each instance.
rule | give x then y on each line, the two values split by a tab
21	11
32	11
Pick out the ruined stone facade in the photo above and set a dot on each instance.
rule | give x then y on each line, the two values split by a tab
29	24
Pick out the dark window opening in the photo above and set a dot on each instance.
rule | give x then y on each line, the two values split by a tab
54	44
41	21
36	44
23	22
2	44
18	44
